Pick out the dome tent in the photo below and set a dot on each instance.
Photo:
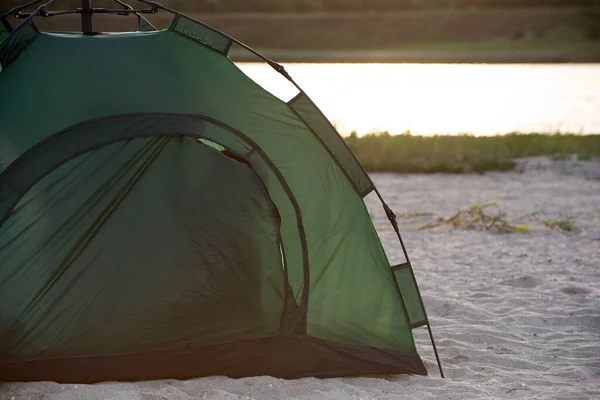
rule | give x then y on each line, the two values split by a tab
164	216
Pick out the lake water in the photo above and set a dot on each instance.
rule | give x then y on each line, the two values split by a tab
446	98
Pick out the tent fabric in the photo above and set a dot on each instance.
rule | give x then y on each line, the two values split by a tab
321	127
164	216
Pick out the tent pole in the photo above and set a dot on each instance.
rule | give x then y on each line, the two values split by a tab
138	15
87	25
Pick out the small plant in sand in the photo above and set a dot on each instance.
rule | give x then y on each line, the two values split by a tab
490	217
564	224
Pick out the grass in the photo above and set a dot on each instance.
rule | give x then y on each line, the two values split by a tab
564	224
406	153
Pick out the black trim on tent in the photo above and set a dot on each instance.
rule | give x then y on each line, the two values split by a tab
282	356
23	165
283	328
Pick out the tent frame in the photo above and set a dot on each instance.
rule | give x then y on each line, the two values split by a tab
87	12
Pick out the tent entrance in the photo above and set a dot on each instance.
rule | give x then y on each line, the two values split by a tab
161	236
62	147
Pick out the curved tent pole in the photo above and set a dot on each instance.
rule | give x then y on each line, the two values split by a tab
141	20
18	9
41	10
87	11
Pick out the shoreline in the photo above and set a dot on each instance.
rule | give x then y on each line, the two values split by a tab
402	56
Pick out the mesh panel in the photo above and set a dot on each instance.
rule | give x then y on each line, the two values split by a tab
14	44
212	144
145	25
196	261
201	33
410	295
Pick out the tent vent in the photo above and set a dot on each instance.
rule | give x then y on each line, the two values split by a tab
201	33
14	44
145	25
410	294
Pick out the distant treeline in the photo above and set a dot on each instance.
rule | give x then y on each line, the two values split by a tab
322	5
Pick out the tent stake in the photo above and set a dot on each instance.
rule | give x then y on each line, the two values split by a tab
437	357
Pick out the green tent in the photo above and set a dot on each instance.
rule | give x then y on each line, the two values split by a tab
164	216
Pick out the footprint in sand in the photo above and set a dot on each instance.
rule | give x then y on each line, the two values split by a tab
522	282
575	290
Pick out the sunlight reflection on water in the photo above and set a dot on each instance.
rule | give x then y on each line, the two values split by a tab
446	98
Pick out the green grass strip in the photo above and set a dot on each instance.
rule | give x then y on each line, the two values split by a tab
406	153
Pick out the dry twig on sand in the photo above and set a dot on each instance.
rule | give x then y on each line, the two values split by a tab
490	217
475	218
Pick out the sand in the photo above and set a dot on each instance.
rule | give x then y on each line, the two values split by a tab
514	315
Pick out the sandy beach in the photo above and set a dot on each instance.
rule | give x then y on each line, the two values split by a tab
514	315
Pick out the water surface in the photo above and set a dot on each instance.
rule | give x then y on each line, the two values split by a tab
446	98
